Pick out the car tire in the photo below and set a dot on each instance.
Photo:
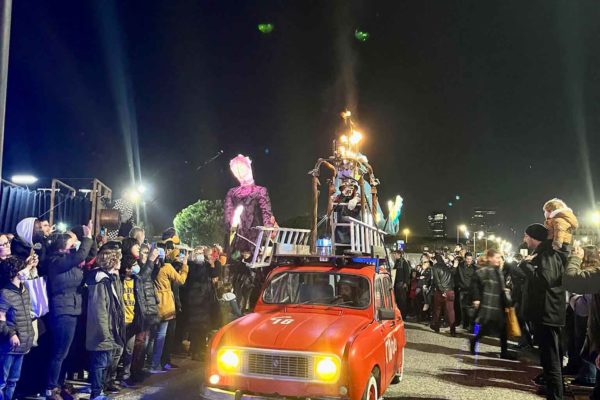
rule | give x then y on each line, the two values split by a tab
371	389
400	374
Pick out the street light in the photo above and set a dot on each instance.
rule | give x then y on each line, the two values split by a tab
460	228
406	232
24	179
595	217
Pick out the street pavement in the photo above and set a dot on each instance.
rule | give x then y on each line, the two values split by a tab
438	366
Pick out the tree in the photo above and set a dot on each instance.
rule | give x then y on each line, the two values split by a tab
201	223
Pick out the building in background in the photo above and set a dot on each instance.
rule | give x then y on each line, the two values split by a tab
485	220
437	224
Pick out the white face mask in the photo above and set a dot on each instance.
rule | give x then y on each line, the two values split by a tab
200	258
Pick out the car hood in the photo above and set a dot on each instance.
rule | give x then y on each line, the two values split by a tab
285	330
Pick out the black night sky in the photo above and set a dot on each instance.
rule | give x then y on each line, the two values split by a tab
497	101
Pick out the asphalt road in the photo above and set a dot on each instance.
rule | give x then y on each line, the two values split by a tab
437	367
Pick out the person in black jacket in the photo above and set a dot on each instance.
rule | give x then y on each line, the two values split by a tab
464	275
401	282
443	295
16	329
65	278
201	302
105	328
546	303
148	311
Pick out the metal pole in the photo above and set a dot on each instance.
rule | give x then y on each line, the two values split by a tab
4	47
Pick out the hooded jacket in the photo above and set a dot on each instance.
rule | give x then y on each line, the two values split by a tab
201	295
167	275
65	278
560	224
14	301
105	325
586	281
545	302
24	241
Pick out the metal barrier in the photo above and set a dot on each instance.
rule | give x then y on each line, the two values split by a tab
366	239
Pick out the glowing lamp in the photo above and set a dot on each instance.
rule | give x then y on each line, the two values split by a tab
480	235
61	227
355	137
214	379
492	238
594	217
327	368
24	179
266	28
462	228
228	360
344	139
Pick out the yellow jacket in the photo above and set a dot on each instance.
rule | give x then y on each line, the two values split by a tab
561	224
166	276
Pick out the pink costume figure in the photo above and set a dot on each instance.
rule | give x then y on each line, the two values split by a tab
254	199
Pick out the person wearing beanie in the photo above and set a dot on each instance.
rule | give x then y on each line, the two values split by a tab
545	303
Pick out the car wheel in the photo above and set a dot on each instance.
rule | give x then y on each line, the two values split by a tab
400	374
371	389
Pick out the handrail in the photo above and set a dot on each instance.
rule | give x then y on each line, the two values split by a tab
55	184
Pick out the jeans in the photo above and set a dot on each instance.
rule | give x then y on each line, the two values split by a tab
111	372
159	336
551	360
128	351
443	300
99	363
63	332
11	371
170	342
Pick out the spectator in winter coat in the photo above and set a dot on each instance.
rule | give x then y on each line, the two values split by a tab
401	281
463	277
490	299
65	278
30	236
148	310
582	280
105	323
546	303
443	296
138	234
201	302
228	304
165	279
16	329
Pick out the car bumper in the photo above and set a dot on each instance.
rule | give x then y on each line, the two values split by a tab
209	393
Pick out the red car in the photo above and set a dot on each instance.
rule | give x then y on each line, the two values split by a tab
317	332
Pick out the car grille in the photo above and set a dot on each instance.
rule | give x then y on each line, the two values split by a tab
279	365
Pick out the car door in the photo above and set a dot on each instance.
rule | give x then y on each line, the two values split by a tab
396	341
388	327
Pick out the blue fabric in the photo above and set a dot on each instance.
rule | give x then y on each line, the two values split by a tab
63	332
11	371
99	362
159	343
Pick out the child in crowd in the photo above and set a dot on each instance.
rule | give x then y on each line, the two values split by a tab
230	309
16	329
560	222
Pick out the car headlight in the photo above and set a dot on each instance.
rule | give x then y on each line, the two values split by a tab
228	360
327	368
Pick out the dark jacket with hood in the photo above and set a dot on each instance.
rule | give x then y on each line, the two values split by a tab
545	302
403	269
464	275
201	296
586	281
105	327
14	301
146	312
65	278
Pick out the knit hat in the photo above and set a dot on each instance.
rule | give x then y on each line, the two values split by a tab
537	232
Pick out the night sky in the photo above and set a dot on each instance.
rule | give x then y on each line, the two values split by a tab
497	101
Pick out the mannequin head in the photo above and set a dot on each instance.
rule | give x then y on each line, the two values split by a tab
241	167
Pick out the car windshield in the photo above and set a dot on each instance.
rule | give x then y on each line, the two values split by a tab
339	290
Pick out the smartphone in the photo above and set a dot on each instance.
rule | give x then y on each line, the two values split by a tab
182	253
161	253
524	252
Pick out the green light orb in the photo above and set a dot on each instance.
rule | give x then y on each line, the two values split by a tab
266	28
361	36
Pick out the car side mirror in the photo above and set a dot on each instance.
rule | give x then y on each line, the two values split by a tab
386	314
